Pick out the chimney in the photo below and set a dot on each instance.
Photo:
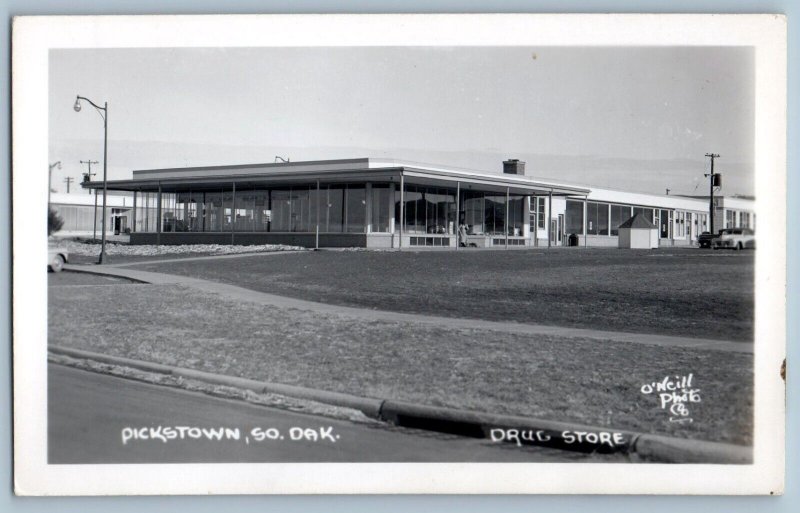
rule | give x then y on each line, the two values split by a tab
513	167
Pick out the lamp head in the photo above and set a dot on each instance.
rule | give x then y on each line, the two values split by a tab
77	105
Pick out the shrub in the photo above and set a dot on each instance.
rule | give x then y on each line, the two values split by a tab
54	221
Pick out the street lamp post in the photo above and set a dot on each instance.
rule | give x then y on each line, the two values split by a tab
50	180
104	115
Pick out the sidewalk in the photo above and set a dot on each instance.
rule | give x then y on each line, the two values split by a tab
265	299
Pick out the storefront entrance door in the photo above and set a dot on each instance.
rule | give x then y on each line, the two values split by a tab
556	227
664	224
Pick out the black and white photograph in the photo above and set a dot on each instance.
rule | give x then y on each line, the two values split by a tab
444	254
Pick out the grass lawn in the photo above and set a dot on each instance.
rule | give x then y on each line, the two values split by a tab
686	292
578	380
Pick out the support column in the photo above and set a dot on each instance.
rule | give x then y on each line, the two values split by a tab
458	215
233	212
402	210
203	213
507	210
186	212
392	219
158	216
585	221
368	208
133	228
316	231
549	219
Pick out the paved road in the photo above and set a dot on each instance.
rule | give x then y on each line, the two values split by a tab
88	414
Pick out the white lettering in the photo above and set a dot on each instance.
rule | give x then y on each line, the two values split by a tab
327	434
497	435
155	433
213	434
675	395
258	434
127	434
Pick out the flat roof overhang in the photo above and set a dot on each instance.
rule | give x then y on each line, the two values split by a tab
417	176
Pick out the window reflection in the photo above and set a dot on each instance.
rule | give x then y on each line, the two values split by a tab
619	214
356	209
337	208
429	210
597	218
646	212
380	208
573	218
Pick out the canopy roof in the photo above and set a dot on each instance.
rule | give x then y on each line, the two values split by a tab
331	171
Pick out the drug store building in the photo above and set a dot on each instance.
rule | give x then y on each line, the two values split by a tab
594	220
381	203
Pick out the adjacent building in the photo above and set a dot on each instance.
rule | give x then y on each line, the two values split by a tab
381	203
83	214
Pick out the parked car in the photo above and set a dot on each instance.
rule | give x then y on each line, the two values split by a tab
705	239
735	238
57	256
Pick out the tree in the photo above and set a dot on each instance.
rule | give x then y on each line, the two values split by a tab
54	221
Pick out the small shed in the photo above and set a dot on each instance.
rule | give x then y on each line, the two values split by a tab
638	233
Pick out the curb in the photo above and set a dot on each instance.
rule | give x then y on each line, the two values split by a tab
78	268
370	407
498	428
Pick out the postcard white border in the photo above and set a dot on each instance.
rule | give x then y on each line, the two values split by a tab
33	37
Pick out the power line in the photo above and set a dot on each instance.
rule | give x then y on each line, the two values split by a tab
68	180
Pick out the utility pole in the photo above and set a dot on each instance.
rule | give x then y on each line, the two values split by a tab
713	181
68	180
87	177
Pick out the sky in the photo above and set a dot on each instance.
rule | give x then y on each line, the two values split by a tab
637	119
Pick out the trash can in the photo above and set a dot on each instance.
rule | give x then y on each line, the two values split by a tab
573	239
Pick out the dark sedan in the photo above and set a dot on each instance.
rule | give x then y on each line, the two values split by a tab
706	239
